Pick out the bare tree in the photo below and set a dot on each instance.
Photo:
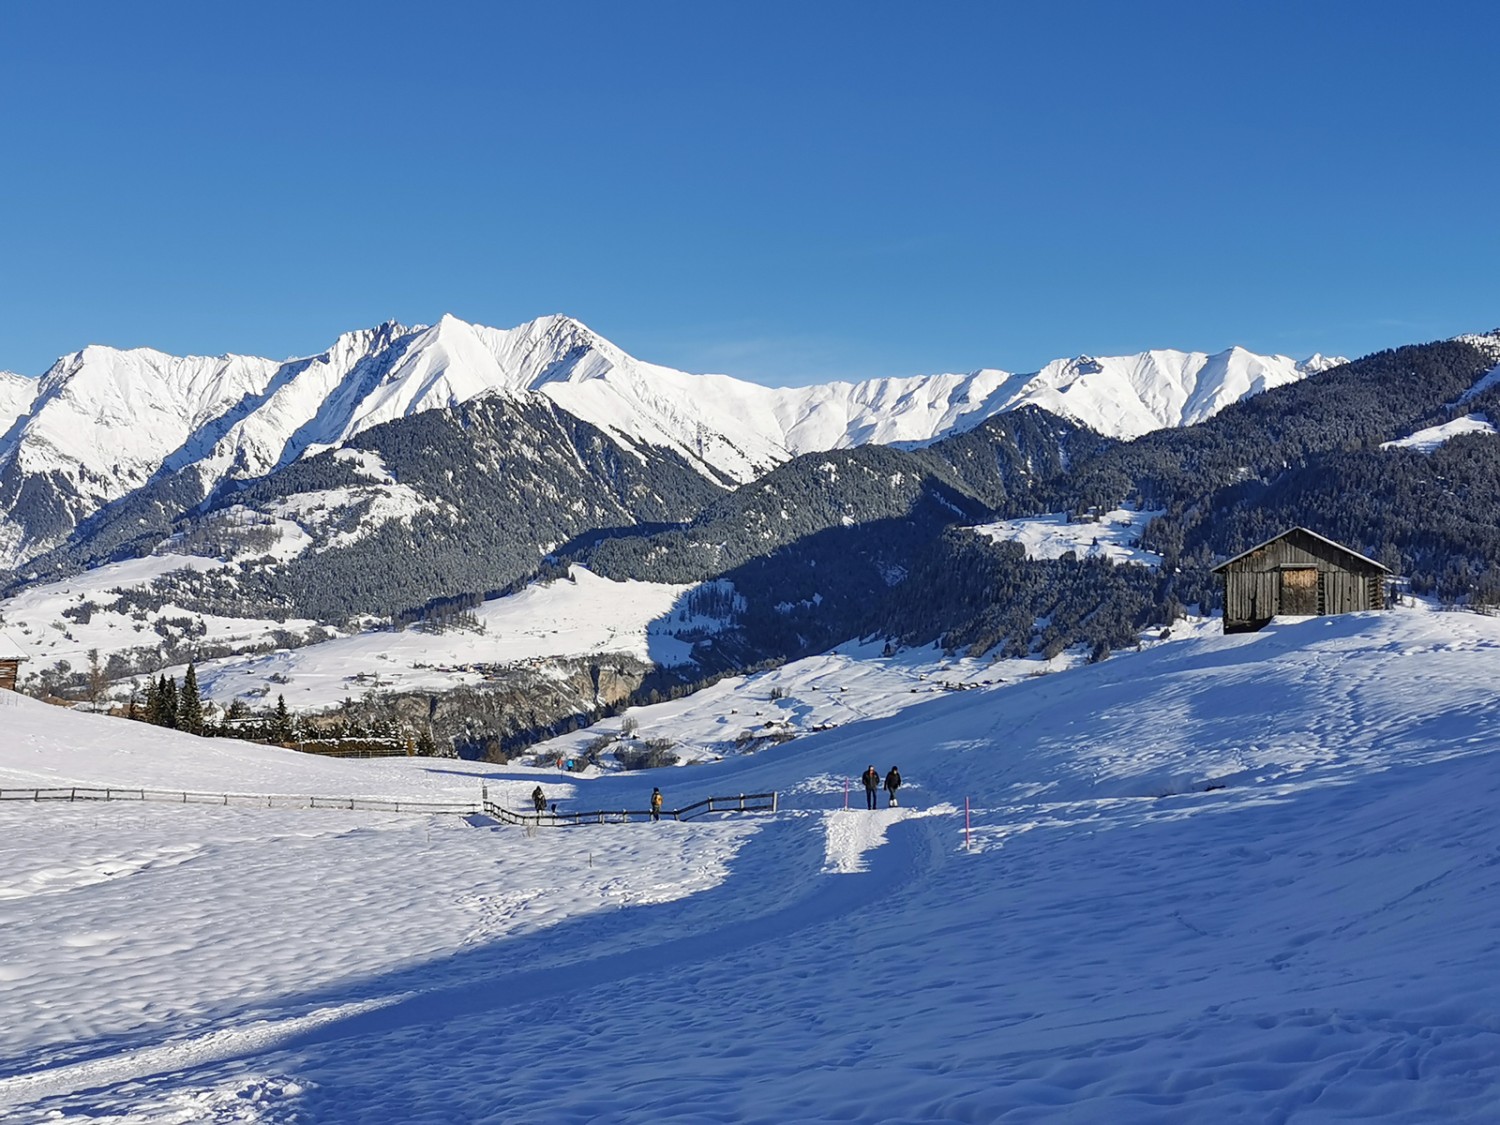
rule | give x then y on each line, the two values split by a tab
96	681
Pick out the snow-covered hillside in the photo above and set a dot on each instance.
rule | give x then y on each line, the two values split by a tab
16	393
1425	441
1231	878
103	421
1114	535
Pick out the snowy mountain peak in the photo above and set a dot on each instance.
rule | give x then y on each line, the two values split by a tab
107	420
1320	362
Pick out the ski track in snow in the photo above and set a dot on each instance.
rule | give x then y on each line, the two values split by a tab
1232	878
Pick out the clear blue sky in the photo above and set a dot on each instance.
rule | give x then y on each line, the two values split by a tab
784	192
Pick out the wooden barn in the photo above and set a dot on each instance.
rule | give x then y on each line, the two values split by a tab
11	656
1298	573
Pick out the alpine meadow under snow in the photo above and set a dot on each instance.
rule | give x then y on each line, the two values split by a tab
1228	878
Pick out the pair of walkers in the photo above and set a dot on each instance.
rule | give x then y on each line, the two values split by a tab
871	778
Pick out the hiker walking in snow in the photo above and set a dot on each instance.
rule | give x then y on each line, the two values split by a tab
892	783
871	778
539	799
655	804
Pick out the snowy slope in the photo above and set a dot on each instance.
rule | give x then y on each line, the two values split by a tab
1425	441
108	418
713	417
16	393
1232	878
103	421
1127	396
1115	535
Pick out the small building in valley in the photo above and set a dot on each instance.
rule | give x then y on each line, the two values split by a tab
11	655
1298	573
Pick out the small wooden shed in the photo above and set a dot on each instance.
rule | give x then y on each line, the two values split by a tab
11	655
1298	573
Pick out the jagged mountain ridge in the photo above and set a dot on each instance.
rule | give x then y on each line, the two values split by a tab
102	422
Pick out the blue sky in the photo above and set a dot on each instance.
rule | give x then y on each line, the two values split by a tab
783	192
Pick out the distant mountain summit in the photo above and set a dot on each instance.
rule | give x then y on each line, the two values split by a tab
102	423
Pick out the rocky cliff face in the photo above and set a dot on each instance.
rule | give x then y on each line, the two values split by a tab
522	704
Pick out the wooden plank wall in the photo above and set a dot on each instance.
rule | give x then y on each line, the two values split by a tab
1252	586
8	670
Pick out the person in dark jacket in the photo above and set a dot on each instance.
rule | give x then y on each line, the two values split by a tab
871	778
892	783
539	799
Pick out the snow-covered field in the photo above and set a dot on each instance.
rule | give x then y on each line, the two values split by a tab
1425	441
1229	878
579	616
582	615
63	620
1114	535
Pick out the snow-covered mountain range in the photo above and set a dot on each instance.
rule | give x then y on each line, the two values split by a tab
102	422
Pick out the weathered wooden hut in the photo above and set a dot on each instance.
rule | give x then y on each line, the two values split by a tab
11	655
1298	573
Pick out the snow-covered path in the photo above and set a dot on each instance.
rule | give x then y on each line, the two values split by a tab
1245	878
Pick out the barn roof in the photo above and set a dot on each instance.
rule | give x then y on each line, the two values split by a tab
1305	531
9	650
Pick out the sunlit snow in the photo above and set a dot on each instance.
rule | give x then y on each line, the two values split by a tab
1425	441
1114	535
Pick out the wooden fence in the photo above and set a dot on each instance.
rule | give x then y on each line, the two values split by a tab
740	803
241	800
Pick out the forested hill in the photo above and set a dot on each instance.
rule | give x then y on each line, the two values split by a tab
1310	453
443	503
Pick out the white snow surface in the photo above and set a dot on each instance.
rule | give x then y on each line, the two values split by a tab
1114	535
1230	878
106	419
16	393
583	615
1484	383
1425	441
47	620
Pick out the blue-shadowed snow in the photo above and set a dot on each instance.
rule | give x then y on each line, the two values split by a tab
1114	535
1228	878
1425	441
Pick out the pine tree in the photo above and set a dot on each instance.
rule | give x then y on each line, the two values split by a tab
167	701
189	704
281	725
153	703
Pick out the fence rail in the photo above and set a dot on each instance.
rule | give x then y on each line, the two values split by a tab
239	800
740	802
